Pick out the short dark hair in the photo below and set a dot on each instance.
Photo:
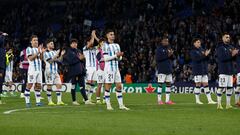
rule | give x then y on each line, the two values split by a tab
73	40
108	31
195	40
101	40
33	36
48	41
225	33
88	39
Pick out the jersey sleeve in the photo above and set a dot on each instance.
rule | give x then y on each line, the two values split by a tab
29	51
46	56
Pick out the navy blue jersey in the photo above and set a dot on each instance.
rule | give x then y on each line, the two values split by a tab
164	63
238	59
225	59
199	61
2	54
74	64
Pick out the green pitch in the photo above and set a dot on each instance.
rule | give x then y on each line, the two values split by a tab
144	118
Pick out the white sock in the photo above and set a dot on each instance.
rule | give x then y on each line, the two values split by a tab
219	96
228	96
159	93
59	95
91	92
87	88
27	95
38	96
49	95
107	97
237	94
119	98
208	93
197	93
168	91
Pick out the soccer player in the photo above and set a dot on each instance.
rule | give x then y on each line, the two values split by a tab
225	58
9	73
100	71
89	52
75	73
34	54
164	67
23	70
51	57
199	58
237	90
112	55
2	61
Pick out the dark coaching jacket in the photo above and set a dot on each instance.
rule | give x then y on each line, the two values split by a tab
225	59
164	62
74	65
238	60
2	54
199	61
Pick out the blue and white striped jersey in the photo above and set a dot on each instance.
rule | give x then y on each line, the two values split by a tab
90	56
36	64
50	67
111	50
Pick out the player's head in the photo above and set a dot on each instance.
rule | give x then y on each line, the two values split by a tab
226	38
164	41
74	43
101	42
34	40
110	35
50	44
196	42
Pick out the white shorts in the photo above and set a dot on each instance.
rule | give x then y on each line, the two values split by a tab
112	77
100	76
52	78
238	79
8	77
162	78
201	79
225	80
35	77
91	74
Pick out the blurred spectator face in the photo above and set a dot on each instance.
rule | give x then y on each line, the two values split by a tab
165	42
34	42
226	39
74	45
101	44
50	45
111	36
197	43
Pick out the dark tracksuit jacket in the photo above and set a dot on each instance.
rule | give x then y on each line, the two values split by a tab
199	61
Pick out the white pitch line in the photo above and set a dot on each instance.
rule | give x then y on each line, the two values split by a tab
38	108
35	108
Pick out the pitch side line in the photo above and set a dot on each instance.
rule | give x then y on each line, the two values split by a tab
37	108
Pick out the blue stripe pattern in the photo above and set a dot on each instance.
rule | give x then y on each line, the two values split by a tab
107	96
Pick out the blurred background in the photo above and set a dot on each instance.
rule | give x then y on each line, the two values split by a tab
138	24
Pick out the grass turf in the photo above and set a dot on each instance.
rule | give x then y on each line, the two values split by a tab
144	118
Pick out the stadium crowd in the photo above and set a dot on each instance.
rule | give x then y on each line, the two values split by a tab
139	24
